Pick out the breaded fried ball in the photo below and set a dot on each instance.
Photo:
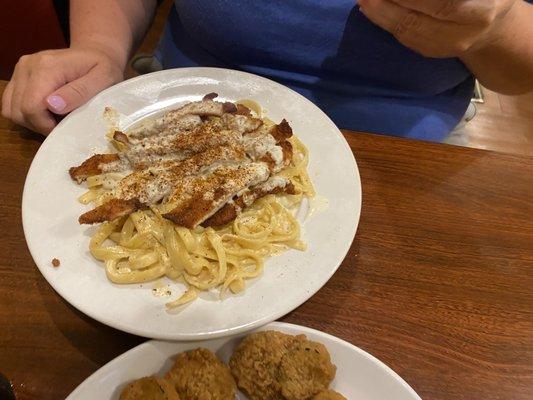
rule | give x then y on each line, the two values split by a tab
305	370
255	364
329	395
149	388
200	375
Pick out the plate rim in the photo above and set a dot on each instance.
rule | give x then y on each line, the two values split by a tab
213	334
275	325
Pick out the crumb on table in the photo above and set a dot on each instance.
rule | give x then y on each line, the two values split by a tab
56	262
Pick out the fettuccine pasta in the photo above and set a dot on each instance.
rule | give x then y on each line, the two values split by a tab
144	246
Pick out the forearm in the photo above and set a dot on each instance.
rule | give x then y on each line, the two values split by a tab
114	26
506	64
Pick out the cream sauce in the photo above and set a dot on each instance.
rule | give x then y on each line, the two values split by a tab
160	289
317	205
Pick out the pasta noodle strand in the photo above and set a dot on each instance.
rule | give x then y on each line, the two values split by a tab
144	246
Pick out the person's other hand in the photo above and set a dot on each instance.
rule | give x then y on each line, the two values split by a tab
56	82
441	28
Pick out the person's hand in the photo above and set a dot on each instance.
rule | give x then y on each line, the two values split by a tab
441	28
56	82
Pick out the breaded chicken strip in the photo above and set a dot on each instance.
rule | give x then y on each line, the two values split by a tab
184	118
305	370
232	208
92	166
200	375
255	364
149	388
204	162
112	209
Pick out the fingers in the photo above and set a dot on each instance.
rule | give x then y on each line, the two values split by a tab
427	35
78	92
392	17
19	79
34	78
6	100
27	106
22	100
459	11
33	107
42	122
83	80
56	81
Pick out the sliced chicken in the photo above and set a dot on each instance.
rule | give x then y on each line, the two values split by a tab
154	183
225	131
202	108
92	166
204	161
165	125
241	123
282	131
184	123
141	153
185	118
269	143
233	208
198	198
112	209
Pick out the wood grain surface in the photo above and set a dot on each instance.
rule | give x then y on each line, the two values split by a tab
437	284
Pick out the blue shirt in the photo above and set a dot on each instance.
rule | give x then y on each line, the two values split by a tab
359	74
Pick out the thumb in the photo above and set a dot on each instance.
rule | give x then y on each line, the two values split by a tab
76	93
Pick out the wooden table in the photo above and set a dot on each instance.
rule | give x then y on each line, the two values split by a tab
438	283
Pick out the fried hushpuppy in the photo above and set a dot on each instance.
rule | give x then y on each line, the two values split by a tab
199	375
305	370
255	364
149	388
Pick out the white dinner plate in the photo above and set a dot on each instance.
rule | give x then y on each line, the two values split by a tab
359	376
50	210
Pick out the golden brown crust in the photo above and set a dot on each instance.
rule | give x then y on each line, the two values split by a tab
197	198
91	166
149	388
110	210
223	216
329	395
210	96
177	167
229	107
243	110
255	364
305	370
200	375
282	131
230	210
286	148
190	214
290	189
269	160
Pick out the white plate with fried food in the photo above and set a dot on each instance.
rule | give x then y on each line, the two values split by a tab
191	203
276	362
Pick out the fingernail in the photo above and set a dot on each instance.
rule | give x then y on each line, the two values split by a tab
56	103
